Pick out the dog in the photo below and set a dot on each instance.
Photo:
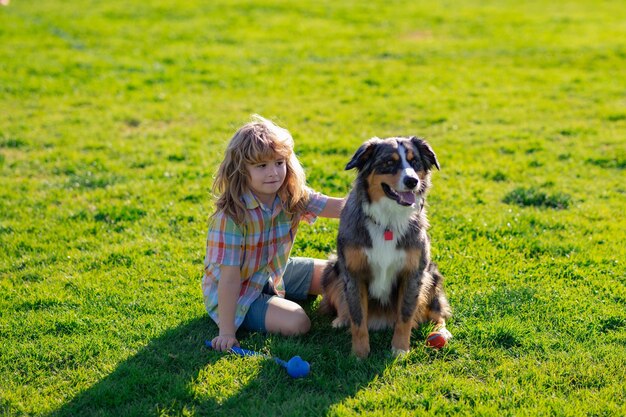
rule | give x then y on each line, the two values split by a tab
382	275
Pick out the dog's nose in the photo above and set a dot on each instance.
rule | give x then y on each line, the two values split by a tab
410	182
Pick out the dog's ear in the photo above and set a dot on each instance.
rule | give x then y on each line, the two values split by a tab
362	155
426	152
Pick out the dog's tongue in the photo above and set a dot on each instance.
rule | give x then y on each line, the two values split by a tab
407	198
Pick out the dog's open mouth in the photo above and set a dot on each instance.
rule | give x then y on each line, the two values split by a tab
404	198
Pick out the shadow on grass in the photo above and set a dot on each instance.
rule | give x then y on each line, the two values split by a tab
176	374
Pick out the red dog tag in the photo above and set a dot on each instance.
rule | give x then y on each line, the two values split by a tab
388	234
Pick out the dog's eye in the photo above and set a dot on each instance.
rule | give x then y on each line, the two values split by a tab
415	163
386	166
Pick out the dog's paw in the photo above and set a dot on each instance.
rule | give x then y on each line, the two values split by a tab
401	341
445	333
398	352
338	323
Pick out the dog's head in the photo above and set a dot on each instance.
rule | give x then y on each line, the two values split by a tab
396	168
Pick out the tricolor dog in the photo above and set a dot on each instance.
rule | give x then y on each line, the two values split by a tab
382	275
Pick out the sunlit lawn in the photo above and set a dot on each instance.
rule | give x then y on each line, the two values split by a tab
113	119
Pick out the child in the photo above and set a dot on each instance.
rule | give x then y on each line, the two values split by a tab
247	269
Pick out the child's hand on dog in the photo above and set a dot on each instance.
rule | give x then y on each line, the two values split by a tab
224	342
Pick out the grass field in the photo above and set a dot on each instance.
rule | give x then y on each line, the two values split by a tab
114	116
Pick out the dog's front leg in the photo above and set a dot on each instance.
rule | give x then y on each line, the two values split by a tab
407	303
356	295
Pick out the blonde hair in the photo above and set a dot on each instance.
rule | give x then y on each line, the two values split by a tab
258	141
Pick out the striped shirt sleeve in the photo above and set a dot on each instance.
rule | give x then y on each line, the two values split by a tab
317	202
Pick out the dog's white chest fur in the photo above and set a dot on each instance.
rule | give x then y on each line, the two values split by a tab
384	259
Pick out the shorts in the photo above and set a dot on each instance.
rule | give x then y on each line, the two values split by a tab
297	281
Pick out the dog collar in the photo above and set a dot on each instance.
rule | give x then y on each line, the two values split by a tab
387	233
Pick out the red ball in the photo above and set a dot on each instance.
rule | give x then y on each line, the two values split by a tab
436	340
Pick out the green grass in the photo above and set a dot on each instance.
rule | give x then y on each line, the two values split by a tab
114	116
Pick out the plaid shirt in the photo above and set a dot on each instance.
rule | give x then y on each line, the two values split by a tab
260	248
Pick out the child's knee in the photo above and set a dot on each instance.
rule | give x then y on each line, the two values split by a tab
286	317
299	323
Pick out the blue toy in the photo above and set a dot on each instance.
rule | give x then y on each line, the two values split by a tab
296	367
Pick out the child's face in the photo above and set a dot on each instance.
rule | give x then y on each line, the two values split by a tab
266	178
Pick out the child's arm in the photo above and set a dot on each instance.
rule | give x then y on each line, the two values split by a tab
333	207
228	289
